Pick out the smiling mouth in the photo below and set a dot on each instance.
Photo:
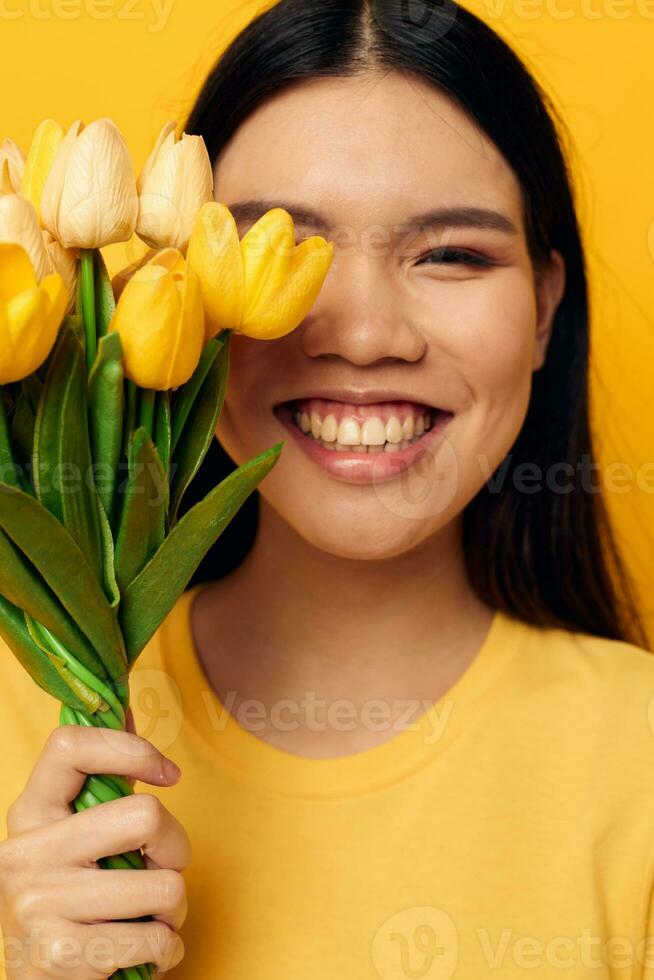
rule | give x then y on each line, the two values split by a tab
367	429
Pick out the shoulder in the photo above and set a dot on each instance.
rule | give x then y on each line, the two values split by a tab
590	694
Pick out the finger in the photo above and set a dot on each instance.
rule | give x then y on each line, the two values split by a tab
121	825
70	753
102	895
130	726
110	946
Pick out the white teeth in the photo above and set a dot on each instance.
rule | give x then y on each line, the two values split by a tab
393	429
408	427
373	432
373	436
329	429
349	432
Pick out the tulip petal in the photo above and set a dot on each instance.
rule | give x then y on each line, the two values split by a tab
19	224
28	334
286	310
13	154
179	182
57	293
160	319
16	272
167	137
53	187
64	261
6	184
214	253
97	201
267	250
45	145
147	314
169	258
190	337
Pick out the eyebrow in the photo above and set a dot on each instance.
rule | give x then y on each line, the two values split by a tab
436	219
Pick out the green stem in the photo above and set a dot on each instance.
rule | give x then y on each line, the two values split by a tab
101	789
146	414
86	676
87	283
190	390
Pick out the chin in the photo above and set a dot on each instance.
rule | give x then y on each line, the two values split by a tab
347	533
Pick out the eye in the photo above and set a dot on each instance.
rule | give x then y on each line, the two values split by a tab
454	256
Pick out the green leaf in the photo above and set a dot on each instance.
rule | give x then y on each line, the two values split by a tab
199	428
162	428
25	588
109	583
106	408
64	567
8	467
31	387
13	630
75	323
105	304
143	508
153	593
62	449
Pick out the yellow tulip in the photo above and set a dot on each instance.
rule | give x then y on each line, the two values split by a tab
12	165
160	320
89	199
46	141
19	225
262	286
175	182
30	314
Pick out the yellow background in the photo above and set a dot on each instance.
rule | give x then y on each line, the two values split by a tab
142	61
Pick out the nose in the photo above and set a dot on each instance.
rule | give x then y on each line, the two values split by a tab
362	315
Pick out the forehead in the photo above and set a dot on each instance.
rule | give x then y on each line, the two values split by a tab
371	147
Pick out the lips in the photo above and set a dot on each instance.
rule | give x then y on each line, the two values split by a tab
369	464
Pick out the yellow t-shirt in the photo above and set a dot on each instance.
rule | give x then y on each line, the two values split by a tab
509	833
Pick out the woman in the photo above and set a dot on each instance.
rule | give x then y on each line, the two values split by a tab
412	712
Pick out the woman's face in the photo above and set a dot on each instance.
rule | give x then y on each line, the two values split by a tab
404	331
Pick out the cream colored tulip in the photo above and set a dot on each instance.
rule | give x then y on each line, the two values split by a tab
19	225
12	164
176	181
44	147
89	199
65	262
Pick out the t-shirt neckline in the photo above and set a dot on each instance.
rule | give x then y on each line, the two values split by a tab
275	770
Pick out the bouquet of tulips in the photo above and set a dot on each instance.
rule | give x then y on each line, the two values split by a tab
109	397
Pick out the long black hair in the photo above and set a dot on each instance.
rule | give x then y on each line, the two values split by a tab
548	557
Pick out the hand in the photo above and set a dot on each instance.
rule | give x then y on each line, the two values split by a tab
60	911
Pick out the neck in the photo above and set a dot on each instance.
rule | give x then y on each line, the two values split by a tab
294	619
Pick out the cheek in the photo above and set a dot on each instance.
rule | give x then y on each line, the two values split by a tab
494	341
246	416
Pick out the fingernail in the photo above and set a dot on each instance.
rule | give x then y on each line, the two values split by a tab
172	771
